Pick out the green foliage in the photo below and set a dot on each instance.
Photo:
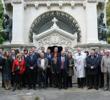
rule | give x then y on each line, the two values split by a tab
1	38
108	40
1	20
108	13
108	20
1	13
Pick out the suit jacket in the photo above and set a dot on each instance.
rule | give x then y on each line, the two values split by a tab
55	66
49	57
31	61
1	63
105	64
6	68
92	65
99	57
60	62
70	66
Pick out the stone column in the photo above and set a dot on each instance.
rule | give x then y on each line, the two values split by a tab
91	21
18	22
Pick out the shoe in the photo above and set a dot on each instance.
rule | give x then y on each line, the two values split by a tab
13	89
105	89
89	87
65	88
29	87
96	88
34	87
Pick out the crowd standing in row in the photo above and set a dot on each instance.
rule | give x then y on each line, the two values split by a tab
33	69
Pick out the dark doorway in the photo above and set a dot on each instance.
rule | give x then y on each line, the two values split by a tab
60	48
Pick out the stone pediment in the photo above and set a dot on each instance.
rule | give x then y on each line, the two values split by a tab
53	31
54	37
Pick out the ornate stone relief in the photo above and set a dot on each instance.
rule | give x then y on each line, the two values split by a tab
54	37
54	40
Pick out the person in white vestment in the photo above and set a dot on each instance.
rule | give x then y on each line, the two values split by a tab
79	60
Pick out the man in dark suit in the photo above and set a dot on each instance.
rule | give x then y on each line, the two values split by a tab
36	56
31	67
25	75
62	70
100	79
49	68
92	70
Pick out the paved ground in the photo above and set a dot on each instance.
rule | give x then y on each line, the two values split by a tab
55	94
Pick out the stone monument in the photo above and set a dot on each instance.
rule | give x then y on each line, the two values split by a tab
78	22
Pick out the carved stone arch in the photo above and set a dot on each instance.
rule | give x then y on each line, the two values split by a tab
65	22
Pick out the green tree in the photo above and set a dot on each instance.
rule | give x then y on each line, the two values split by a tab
108	13
1	19
108	20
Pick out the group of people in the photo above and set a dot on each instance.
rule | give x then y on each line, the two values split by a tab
39	69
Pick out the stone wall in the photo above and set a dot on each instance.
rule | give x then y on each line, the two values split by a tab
16	46
93	45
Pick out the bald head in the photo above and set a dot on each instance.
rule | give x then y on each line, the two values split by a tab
107	52
78	50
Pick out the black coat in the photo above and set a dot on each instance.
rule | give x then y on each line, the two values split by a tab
1	63
70	66
92	64
55	67
31	62
6	69
99	58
